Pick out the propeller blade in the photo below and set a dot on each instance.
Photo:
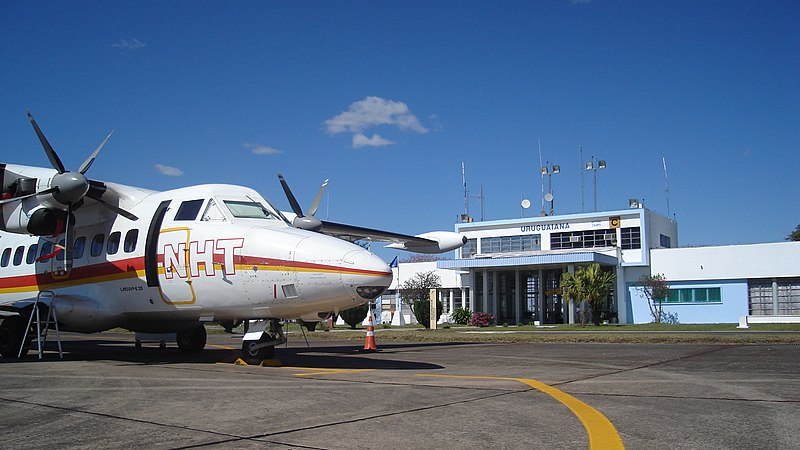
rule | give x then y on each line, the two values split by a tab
312	210
292	201
22	197
51	154
90	160
68	240
114	208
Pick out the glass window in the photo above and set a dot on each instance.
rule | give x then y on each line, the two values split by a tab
631	238
112	247
97	244
32	251
79	247
130	240
695	295
511	244
247	210
213	213
665	241
6	258
47	248
19	255
583	239
470	248
188	210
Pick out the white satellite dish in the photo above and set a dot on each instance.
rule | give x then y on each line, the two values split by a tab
548	197
526	203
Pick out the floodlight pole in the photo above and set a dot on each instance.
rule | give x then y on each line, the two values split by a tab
594	165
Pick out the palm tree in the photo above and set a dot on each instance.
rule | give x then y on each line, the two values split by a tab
590	284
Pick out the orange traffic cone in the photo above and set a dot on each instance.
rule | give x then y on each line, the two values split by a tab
369	344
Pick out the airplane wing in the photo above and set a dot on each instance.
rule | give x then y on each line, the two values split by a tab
433	242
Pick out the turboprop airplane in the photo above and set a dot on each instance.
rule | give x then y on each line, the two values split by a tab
97	255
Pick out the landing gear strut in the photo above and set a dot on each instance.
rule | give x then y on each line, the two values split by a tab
259	343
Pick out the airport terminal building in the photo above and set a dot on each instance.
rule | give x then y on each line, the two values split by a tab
512	269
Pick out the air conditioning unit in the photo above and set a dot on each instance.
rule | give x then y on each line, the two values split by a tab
574	238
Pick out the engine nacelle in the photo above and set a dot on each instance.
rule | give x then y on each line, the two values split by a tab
37	220
442	241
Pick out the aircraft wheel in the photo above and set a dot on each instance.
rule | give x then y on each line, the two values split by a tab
255	355
192	341
12	331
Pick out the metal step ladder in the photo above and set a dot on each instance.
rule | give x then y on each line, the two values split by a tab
42	327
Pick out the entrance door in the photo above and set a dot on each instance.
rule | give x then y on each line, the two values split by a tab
174	276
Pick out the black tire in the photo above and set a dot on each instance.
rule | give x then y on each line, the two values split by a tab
255	356
12	331
192	341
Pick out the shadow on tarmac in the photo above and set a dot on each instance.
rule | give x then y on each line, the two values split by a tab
334	356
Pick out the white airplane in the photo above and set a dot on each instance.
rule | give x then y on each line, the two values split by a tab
103	255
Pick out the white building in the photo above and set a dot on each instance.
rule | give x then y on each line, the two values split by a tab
512	269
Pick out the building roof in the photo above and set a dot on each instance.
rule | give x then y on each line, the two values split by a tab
530	260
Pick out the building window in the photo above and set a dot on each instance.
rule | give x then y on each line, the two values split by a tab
511	244
665	241
583	239
469	249
694	295
631	238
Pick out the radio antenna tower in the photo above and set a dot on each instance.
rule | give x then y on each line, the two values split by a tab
666	184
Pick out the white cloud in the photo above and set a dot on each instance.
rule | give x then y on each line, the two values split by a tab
132	44
169	171
257	149
359	140
372	112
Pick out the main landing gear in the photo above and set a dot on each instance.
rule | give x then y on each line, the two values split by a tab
192	340
12	333
260	341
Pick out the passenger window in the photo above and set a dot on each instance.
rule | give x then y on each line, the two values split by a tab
79	247
97	244
213	213
113	243
130	240
188	210
18	255
32	250
47	248
6	258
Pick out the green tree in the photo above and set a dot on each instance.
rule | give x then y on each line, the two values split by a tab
415	292
590	284
794	235
655	289
355	315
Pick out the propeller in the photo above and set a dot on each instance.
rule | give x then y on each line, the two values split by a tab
304	221
69	188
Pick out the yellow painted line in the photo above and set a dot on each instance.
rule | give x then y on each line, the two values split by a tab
321	371
224	347
602	434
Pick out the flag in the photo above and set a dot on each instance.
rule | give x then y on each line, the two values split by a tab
393	264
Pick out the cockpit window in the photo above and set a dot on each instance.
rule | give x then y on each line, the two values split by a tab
248	210
213	213
188	210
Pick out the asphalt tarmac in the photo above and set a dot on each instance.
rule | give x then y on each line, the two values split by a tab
108	394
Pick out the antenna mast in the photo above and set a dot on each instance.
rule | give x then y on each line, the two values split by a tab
580	171
666	183
541	165
466	194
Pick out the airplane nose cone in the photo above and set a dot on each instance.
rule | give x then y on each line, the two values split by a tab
370	275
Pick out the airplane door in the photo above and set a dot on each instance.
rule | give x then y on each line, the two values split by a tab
174	275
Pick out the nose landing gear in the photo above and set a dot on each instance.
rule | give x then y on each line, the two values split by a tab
260	341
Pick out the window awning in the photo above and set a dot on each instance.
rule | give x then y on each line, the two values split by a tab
532	260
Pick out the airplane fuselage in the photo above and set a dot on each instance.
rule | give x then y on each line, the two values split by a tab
197	254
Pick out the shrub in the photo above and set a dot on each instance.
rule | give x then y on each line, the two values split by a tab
422	311
461	316
355	316
481	319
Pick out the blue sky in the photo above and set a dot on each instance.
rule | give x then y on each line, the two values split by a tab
388	98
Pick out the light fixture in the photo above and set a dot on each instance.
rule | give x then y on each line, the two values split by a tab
601	164
589	165
556	169
544	170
